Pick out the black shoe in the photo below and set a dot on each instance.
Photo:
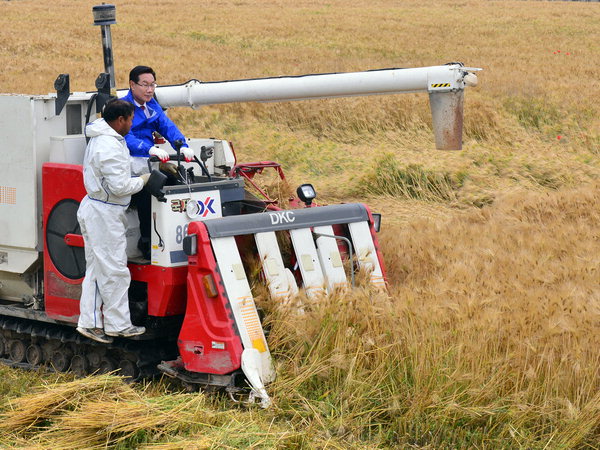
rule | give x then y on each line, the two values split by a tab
97	334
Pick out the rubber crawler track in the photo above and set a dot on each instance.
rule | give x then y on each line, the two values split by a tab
29	344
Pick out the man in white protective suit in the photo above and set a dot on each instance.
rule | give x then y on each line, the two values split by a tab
104	304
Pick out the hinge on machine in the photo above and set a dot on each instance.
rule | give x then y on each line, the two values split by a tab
34	302
3	257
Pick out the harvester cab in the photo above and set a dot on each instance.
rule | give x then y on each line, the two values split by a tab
210	217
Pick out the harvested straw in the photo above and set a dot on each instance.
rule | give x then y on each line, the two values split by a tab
110	422
50	401
98	411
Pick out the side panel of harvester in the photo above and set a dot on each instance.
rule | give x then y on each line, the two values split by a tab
31	135
64	257
209	341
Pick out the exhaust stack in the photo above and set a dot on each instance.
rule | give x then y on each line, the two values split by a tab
105	16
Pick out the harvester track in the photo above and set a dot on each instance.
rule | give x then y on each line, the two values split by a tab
29	344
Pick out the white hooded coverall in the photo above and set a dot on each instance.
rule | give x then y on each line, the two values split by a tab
101	215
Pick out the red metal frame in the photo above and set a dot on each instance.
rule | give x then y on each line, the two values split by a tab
249	170
60	182
209	341
166	285
166	288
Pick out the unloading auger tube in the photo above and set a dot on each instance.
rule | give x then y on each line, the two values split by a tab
445	85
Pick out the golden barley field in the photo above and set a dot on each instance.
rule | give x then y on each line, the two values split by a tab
490	334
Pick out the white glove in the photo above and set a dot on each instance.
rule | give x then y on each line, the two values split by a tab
159	153
188	153
145	177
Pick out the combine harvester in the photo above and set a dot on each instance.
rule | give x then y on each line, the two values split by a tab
193	297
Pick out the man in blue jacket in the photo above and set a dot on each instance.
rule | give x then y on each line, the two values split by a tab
148	118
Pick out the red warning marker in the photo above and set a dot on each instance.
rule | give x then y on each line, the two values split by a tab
559	137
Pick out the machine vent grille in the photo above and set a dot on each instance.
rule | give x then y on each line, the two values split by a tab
8	195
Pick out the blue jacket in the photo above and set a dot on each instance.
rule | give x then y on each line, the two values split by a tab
140	139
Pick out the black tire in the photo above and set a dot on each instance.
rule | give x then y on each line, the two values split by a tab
80	366
94	358
128	369
106	365
34	355
61	359
17	350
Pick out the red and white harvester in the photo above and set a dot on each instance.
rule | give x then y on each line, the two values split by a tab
193	296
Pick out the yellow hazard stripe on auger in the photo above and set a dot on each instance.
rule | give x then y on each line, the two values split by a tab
439	85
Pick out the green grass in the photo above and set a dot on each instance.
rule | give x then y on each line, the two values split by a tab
533	112
412	181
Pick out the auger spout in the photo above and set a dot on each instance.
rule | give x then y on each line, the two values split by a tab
445	85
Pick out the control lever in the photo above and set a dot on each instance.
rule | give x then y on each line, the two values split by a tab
205	153
178	144
190	175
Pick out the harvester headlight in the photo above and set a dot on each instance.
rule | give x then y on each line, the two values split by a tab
376	221
306	193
